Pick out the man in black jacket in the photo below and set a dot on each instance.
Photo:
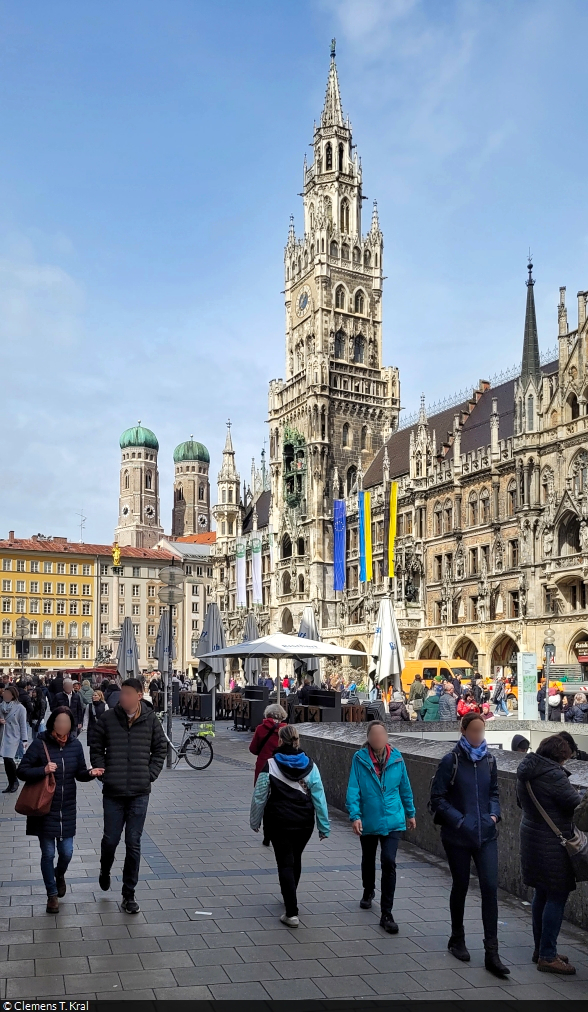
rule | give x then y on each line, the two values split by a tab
131	745
72	700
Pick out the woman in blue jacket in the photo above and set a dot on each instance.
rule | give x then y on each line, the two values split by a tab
380	805
464	799
66	762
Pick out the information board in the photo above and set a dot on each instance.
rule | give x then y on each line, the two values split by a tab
527	684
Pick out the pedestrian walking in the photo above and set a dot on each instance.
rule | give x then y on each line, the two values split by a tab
72	700
288	795
430	707
545	864
380	805
457	687
554	704
448	702
13	722
129	744
499	698
417	694
577	713
397	708
56	750
96	708
464	800
478	689
265	741
467	704
541	694
39	707
111	694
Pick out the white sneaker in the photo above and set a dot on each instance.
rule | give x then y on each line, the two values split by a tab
292	922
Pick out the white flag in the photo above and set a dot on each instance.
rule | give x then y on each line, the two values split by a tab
256	567
241	591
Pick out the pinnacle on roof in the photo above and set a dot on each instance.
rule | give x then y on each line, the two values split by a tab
531	364
228	441
375	219
422	412
332	114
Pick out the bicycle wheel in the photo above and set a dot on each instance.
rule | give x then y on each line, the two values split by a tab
197	752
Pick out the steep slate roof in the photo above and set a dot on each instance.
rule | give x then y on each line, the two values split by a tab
475	431
80	548
263	506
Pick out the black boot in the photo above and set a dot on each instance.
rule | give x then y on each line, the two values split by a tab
388	923
366	900
458	948
492	960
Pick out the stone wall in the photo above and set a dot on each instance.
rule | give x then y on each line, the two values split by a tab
332	747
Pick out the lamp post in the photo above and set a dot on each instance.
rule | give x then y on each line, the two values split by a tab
171	594
549	648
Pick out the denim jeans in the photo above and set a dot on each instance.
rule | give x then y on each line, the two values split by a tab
486	861
64	852
388	848
502	707
127	813
288	849
548	911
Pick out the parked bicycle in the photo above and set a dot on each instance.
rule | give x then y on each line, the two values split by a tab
194	747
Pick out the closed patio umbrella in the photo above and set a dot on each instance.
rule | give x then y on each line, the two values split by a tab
251	665
309	631
387	653
162	644
210	649
127	656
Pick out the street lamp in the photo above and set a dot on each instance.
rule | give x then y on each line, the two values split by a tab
171	593
549	648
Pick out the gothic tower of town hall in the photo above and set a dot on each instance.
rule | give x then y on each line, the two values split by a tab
338	403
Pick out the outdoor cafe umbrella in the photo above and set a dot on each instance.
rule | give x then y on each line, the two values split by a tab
386	653
308	630
251	665
210	649
280	645
127	656
162	645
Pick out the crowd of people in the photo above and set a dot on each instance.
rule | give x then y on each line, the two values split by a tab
464	800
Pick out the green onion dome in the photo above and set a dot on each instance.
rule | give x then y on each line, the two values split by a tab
191	450
139	436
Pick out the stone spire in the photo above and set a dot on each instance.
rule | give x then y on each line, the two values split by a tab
332	114
375	228
531	364
228	469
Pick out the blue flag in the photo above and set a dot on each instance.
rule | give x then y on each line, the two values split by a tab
340	525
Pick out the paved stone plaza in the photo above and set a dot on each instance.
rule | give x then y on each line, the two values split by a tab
210	903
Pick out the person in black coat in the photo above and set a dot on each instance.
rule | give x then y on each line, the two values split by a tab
128	741
67	763
96	708
577	713
545	864
577	753
111	695
541	694
464	799
39	705
72	701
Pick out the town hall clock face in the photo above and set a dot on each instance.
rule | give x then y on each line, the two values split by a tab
150	512
125	511
202	520
303	302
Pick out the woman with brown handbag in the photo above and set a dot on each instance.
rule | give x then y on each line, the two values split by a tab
58	751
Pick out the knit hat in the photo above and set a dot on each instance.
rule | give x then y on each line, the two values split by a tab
437	678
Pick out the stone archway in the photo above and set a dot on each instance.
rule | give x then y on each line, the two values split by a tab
502	652
358	663
429	651
287	621
578	649
466	650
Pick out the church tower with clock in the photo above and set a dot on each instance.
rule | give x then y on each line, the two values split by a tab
338	403
138	509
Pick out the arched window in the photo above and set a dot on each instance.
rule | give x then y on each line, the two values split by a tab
359	302
334	250
579	472
340	159
300	546
573	406
73	630
201	493
568	539
367	258
180	494
148	479
364	437
473	510
359	349
301	584
126	479
224	495
356	255
520	416
85	629
351	479
530	414
339	344
311	216
484	507
230	495
340	297
47	630
448	517
329	156
346	435
437	520
286	582
59	629
344	219
345	251
511	499
34	628
286	547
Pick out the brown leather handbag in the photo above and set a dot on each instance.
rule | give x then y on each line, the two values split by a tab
36	798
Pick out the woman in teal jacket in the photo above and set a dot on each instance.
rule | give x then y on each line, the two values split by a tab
380	806
430	708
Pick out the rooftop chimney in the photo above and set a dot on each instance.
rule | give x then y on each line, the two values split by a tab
11	535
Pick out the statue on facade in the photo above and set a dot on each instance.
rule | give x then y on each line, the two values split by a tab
410	591
547	541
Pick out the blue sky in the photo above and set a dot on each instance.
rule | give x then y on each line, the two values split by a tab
151	155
